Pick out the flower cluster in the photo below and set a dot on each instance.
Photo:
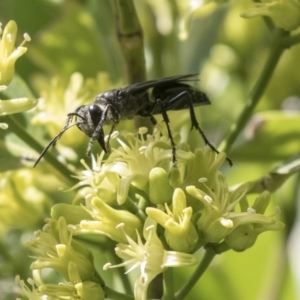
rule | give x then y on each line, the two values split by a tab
158	213
55	249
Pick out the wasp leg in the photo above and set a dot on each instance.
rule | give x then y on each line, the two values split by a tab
167	121
98	133
195	124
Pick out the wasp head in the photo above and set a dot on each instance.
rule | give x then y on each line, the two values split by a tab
90	120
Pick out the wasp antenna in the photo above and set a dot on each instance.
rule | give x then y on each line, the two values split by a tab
53	141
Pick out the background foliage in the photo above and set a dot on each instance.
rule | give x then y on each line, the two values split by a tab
228	51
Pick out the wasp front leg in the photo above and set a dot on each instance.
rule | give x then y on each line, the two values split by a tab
98	133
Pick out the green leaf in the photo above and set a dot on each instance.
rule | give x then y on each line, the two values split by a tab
272	135
7	160
71	44
18	88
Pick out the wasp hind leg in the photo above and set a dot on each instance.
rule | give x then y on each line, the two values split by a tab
167	122
195	125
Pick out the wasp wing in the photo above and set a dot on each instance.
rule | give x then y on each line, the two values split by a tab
168	81
173	92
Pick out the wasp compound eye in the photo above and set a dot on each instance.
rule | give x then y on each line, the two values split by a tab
95	113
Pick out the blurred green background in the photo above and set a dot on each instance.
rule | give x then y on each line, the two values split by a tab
228	51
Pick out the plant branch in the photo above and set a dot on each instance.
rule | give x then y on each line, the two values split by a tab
202	267
277	49
130	37
291	40
168	285
58	168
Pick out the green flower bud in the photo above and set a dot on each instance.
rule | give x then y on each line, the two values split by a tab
13	106
247	226
242	238
87	289
217	230
160	190
90	290
175	178
261	202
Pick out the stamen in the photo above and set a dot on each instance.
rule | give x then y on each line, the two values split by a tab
3	126
142	130
203	179
120	226
27	37
114	134
208	198
106	266
149	227
226	223
251	210
142	149
30	281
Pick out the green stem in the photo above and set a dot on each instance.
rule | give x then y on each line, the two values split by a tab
112	294
59	169
207	259
168	285
131	206
291	40
130	36
261	84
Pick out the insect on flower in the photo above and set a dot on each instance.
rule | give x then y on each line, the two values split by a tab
144	99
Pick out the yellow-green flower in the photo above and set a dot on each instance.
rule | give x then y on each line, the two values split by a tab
8	53
8	57
22	204
180	232
99	180
150	257
284	13
220	219
74	289
248	225
106	219
55	249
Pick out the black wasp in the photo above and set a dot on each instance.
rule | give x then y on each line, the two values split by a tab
144	99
